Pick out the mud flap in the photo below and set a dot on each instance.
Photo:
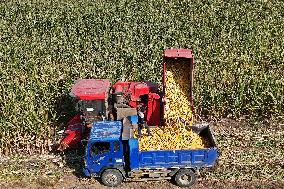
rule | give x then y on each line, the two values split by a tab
86	172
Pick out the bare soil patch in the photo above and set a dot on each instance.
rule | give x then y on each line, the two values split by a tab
251	156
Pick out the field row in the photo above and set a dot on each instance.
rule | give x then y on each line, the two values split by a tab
46	45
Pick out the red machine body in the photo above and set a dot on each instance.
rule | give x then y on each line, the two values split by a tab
84	90
133	91
153	114
91	89
141	93
73	133
96	100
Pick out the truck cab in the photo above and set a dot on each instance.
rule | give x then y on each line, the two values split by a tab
114	159
104	152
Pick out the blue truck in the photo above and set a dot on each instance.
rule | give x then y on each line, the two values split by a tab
115	159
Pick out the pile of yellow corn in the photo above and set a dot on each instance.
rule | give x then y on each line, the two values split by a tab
176	134
164	138
178	107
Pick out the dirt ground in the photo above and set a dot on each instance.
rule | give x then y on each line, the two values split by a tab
72	182
251	156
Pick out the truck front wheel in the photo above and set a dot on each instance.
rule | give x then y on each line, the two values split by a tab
185	178
111	177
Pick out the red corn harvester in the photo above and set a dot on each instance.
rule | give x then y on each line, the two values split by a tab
98	100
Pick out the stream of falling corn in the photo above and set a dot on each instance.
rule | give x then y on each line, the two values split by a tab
178	114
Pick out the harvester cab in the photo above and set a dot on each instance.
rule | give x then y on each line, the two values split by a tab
92	96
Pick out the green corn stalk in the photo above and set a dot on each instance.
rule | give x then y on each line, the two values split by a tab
46	45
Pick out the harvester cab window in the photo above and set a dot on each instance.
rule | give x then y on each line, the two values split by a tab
100	148
95	106
93	110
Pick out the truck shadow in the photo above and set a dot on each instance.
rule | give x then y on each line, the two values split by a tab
74	160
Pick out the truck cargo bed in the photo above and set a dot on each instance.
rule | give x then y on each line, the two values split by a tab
194	158
178	158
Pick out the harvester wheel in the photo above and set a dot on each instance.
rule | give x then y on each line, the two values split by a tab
111	177
185	178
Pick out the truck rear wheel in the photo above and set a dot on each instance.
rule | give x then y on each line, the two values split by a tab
111	177
185	178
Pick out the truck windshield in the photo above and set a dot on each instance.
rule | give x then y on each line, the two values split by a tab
100	148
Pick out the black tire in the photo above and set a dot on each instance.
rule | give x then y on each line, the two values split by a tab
111	177
185	178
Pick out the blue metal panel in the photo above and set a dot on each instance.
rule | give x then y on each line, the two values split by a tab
173	157
133	153
117	153
106	130
185	157
86	172
178	158
212	155
95	163
133	119
160	159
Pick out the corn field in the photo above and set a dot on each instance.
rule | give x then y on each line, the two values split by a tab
45	45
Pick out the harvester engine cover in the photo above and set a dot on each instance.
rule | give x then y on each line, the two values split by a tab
137	94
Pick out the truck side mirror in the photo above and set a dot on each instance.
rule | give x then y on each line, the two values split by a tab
84	142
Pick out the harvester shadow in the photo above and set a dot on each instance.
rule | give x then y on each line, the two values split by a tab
64	108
